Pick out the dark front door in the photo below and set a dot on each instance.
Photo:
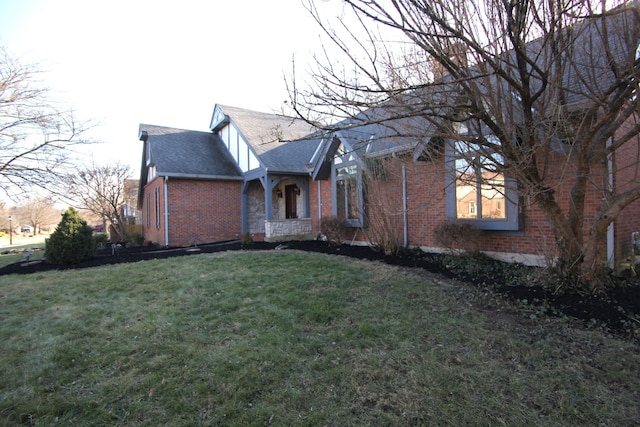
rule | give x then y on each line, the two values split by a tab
291	201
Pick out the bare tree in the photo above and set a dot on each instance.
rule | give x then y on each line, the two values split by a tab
38	212
4	217
36	138
544	92
101	190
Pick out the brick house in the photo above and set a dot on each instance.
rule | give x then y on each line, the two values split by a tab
277	178
243	176
189	187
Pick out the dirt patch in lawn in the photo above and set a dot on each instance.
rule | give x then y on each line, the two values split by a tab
616	311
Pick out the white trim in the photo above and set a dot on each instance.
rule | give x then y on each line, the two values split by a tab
611	260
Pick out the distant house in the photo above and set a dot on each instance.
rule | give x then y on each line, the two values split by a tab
277	178
129	211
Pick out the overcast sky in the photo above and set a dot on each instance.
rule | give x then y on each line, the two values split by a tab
126	62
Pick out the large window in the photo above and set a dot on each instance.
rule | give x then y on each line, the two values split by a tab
347	189
480	187
477	189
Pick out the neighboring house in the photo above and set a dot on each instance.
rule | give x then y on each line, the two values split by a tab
129	211
277	178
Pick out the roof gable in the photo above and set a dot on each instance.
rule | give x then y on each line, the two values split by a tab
187	153
281	143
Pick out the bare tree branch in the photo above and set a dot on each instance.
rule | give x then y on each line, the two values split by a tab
544	79
37	140
100	190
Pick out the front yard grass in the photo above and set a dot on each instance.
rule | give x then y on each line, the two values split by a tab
16	253
293	338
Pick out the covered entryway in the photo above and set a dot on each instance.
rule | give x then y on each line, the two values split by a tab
278	206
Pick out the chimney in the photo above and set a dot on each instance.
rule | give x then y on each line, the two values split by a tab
456	53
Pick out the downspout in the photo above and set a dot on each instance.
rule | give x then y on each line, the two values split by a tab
404	205
166	212
611	228
319	208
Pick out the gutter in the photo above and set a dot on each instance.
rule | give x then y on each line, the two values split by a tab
319	207
204	177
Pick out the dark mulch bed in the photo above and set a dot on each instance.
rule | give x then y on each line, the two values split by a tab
616	311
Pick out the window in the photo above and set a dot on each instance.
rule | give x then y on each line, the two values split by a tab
148	210
477	190
472	209
479	185
157	207
347	189
151	173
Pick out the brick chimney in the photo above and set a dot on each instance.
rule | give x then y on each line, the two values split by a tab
456	53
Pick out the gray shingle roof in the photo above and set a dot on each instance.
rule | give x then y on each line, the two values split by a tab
180	152
592	62
282	143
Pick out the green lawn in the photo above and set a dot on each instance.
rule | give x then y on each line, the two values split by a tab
290	338
21	244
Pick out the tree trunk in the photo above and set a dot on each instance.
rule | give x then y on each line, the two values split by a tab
569	246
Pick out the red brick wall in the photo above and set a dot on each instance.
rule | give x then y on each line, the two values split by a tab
427	209
203	211
325	202
150	230
199	212
627	175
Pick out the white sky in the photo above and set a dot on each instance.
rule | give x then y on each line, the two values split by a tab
125	62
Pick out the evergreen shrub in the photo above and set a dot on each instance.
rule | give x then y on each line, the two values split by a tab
72	241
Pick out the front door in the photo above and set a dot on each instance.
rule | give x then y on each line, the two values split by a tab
291	201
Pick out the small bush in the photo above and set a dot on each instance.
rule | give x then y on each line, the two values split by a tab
458	236
71	242
247	239
135	238
134	235
333	229
101	240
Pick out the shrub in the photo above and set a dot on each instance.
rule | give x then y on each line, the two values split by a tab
101	240
333	228
135	238
384	214
458	236
71	242
133	234
247	239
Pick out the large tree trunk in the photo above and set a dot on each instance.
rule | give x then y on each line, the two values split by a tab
569	245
